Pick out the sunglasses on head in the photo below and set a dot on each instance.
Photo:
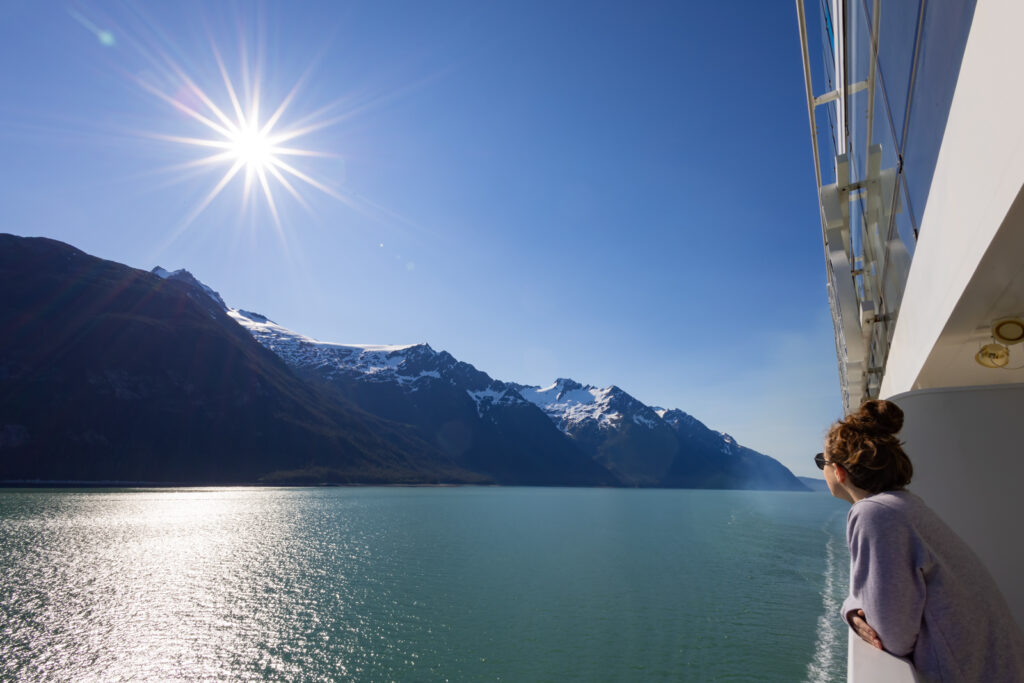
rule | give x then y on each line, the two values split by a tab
820	461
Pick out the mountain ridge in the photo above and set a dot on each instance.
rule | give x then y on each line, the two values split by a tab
109	373
631	440
481	423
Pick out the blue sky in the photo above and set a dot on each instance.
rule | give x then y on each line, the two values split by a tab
614	193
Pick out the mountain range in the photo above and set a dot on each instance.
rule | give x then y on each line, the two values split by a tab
108	373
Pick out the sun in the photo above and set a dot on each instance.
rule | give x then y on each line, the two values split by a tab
240	141
253	148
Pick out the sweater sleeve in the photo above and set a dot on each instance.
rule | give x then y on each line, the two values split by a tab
886	576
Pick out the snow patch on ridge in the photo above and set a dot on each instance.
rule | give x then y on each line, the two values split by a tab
485	398
409	366
645	421
255	317
372	360
569	403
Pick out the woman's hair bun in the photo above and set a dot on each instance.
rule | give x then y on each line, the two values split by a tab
879	415
866	445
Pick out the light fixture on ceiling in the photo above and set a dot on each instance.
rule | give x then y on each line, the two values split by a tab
993	356
1005	333
1008	330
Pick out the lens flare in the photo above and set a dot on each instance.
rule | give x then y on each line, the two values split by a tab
241	141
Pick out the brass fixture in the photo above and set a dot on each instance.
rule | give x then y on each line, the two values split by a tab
993	356
1008	330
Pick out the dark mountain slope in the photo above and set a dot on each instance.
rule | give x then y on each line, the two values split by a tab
112	373
512	442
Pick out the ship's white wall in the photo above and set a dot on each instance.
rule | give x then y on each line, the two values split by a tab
978	174
967	446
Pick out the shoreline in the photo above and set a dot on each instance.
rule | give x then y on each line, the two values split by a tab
115	484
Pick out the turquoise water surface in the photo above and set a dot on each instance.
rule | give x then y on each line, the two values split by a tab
421	584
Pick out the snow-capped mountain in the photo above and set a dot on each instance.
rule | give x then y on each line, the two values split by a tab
574	407
571	404
652	446
564	433
483	424
614	428
412	367
151	377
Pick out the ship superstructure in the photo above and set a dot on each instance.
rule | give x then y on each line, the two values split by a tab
919	160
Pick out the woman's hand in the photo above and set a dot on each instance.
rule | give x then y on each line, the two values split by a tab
860	625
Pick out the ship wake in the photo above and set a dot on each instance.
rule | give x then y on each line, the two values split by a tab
824	666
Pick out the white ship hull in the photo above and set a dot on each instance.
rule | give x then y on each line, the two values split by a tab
913	337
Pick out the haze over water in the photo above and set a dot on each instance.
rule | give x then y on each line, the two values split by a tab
421	584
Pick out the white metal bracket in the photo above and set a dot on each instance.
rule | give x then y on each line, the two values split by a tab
834	95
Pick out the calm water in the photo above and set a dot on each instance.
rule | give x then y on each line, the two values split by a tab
461	584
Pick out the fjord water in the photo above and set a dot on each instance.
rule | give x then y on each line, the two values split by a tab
424	584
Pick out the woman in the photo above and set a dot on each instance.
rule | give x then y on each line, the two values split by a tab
916	589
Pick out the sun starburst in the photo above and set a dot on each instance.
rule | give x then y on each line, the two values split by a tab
241	141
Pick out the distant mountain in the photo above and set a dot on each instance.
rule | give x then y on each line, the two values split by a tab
615	429
114	374
736	465
648	446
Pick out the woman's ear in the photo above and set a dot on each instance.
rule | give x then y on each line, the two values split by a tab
841	474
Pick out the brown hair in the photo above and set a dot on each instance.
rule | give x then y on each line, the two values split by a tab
865	445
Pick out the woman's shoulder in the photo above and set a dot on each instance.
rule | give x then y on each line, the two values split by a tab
887	507
893	518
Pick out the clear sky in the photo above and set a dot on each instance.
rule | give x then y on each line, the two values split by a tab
620	193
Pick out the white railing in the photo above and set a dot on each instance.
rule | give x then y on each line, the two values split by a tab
866	664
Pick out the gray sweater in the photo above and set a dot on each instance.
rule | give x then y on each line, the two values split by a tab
927	594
